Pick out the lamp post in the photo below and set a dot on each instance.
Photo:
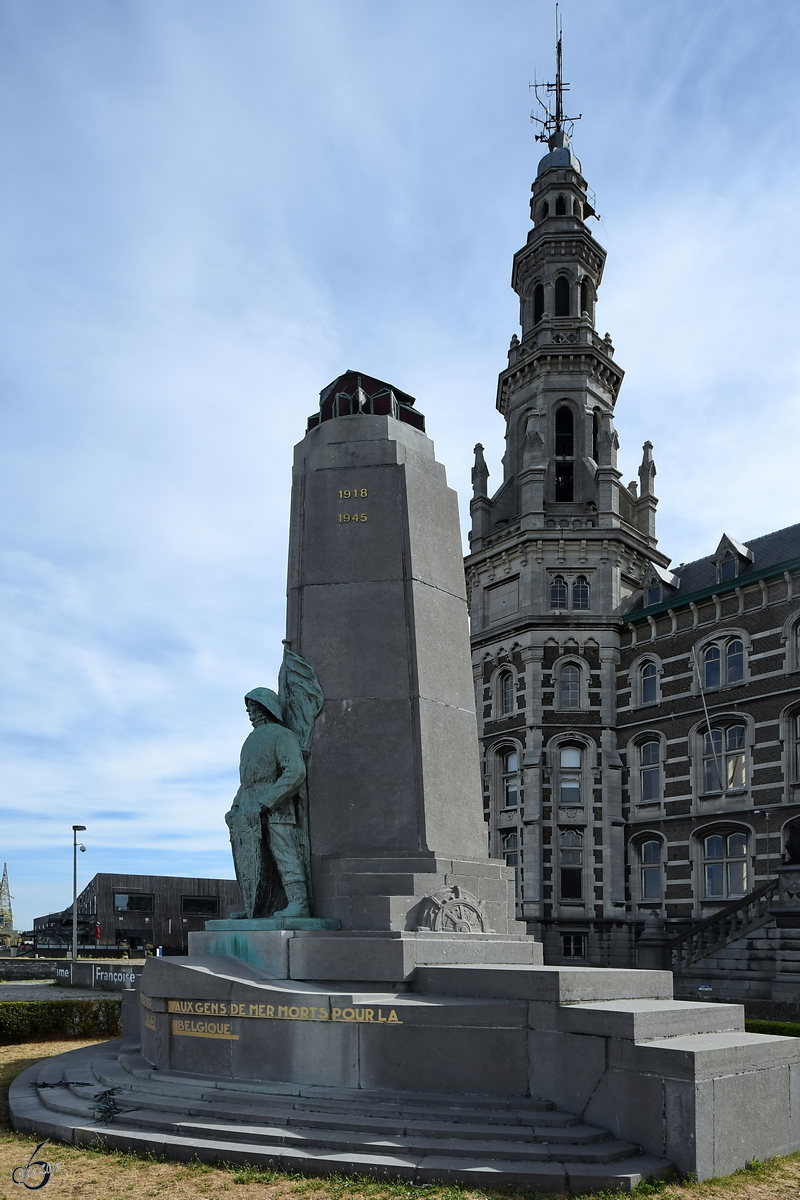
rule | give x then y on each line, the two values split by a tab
76	829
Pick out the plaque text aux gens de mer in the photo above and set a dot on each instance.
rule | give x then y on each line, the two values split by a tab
282	1012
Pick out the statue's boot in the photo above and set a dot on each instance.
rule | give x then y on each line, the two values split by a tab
297	901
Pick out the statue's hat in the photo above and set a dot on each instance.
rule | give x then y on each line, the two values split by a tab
268	700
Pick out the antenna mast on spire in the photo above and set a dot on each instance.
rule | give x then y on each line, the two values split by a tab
553	122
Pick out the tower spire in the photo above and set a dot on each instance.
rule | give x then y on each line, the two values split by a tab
553	122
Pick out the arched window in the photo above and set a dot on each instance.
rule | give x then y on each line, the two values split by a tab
712	663
571	864
723	662
565	449
651	870
562	296
734	661
796	731
724	759
570	687
649	683
561	206
538	303
565	433
569	776
558	592
544	211
725	866
510	779
505	692
584	297
650	771
595	433
580	592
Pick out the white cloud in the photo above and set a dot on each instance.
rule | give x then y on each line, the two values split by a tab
208	212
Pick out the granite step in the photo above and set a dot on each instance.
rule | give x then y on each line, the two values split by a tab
476	1141
611	1149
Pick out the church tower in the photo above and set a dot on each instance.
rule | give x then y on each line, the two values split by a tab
555	554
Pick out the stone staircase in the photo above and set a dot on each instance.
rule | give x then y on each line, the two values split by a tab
110	1092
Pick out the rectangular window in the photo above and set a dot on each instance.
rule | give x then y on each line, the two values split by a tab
200	906
564	484
136	902
653	595
573	945
734	745
570	792
571	888
650	772
651	883
715	880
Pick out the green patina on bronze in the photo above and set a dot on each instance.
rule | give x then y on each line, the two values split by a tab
268	820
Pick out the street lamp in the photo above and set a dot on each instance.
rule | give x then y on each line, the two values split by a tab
76	829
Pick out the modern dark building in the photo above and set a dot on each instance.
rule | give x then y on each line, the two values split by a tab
134	912
639	725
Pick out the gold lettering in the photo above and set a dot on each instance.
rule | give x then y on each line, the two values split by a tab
369	1014
145	1000
348	1014
381	1017
149	1021
323	1014
303	1014
270	1010
337	1012
294	1013
253	1010
283	1012
393	1018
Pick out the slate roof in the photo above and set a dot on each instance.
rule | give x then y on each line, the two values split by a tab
767	551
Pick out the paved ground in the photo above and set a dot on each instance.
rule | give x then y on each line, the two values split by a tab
45	989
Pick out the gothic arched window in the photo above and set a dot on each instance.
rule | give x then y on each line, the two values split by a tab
562	296
544	211
584	297
558	592
571	864
561	206
506	693
580	592
538	303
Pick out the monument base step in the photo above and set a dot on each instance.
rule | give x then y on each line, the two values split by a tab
473	1140
383	956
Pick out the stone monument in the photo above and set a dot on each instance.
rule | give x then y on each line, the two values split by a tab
391	1017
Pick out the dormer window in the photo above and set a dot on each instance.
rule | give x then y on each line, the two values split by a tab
731	558
728	568
652	594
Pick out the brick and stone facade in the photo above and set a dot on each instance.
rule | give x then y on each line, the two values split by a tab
602	784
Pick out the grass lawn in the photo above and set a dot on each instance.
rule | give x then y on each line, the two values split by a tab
95	1175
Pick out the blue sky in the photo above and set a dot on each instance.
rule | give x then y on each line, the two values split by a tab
208	211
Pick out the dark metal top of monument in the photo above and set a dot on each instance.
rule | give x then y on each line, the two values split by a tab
353	394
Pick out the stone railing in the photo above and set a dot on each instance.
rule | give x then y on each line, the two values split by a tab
735	920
